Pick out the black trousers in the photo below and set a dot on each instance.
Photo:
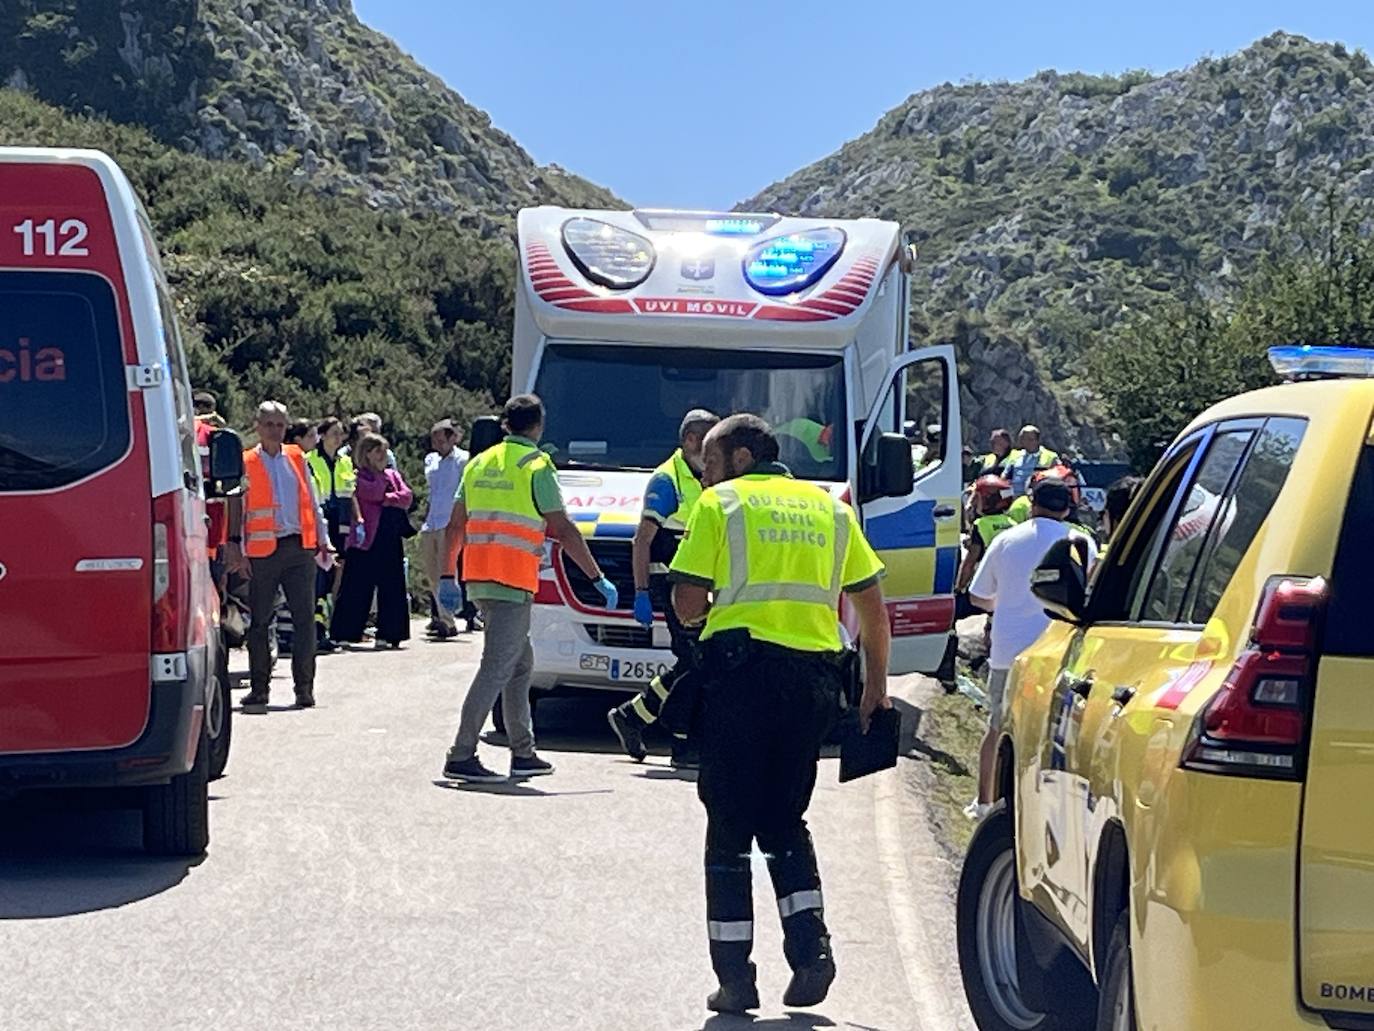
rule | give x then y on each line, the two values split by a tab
762	728
646	707
379	570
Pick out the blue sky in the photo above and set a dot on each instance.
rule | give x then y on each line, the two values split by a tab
703	104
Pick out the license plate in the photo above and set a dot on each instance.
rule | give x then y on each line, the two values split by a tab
638	671
596	663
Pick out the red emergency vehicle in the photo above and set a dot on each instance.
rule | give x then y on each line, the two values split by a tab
108	617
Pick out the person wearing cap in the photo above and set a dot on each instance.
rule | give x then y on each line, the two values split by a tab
1029	456
205	404
443	473
669	498
1002	586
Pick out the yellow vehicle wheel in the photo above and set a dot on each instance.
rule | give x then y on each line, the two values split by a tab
1007	991
1116	1011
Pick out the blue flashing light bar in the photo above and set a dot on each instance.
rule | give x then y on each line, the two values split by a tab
734	226
1305	361
713	223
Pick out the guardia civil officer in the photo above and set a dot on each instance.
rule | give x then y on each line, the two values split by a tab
763	561
669	499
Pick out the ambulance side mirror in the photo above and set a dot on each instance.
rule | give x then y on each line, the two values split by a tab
486	433
226	464
891	473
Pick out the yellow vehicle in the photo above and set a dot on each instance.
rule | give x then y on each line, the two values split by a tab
1184	833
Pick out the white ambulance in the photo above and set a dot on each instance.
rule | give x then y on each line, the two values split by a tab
625	320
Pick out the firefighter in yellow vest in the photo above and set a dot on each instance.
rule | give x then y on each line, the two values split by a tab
276	530
508	501
764	561
669	499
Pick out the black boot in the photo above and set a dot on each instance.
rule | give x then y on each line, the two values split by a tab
811	984
735	996
630	732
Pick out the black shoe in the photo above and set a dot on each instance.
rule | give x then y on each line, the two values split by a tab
735	996
475	624
684	757
810	984
324	646
443	633
305	699
631	738
529	766
254	701
471	771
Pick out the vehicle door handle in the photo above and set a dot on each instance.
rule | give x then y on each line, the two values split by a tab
944	512
1081	686
1123	694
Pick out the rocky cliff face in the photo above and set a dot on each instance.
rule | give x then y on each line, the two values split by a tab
1046	210
298	85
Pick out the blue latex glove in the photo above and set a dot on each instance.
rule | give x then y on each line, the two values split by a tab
644	610
450	594
608	592
359	534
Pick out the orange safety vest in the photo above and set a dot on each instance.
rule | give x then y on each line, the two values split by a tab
260	517
504	536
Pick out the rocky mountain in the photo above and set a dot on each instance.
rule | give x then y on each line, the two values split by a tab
1044	211
295	86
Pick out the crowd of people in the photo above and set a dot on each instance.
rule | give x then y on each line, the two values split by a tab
1021	501
316	540
325	511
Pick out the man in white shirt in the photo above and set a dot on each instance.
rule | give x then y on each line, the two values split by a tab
1002	586
443	472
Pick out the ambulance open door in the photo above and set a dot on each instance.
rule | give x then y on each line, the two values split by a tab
917	536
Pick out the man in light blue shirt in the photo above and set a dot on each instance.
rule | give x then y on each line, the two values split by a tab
444	473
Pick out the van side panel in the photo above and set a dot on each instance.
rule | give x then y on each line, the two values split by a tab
76	552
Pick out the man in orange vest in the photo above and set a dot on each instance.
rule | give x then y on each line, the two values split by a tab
508	501
276	531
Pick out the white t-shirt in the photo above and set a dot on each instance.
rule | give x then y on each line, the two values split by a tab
1004	578
443	476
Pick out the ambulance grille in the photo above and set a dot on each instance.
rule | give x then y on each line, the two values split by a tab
613	556
611	635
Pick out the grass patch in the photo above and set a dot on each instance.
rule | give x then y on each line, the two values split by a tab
950	733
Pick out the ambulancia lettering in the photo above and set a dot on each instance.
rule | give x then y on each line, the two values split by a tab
603	501
23	363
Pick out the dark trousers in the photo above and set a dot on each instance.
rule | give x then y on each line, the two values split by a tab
379	571
292	568
762	728
646	707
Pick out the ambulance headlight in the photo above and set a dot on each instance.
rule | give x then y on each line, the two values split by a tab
786	264
606	254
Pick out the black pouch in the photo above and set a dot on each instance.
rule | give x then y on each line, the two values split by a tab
727	651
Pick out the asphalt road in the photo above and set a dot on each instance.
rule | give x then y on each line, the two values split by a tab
347	886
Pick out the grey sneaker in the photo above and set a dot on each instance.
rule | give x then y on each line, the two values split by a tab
254	701
471	771
529	766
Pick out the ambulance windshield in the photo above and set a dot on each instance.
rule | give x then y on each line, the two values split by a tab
619	407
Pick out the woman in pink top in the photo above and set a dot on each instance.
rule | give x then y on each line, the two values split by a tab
375	559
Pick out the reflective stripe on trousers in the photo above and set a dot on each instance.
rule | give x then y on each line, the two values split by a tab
800	902
730	930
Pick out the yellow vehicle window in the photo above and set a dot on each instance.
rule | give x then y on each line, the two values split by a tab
1186	535
1256	490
